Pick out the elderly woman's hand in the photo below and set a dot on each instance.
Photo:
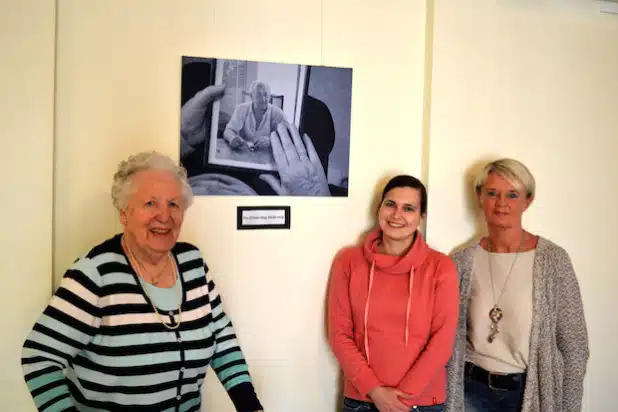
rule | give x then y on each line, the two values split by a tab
237	143
300	170
218	184
193	113
262	143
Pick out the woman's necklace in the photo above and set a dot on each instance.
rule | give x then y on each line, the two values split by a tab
496	314
136	265
153	279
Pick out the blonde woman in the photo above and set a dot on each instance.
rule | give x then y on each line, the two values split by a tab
522	342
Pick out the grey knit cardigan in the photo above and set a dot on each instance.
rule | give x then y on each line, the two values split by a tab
558	341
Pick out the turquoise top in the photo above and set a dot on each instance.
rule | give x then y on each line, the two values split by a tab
99	346
164	298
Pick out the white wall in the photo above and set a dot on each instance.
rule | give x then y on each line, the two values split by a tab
119	91
26	143
539	84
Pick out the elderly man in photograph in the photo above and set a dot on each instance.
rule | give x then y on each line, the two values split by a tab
252	122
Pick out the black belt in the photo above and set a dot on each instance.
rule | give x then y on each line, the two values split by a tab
498	381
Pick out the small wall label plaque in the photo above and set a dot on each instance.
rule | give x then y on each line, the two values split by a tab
263	217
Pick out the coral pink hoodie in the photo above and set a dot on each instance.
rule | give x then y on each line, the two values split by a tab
392	319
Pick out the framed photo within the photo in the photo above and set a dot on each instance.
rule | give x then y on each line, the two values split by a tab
229	109
238	137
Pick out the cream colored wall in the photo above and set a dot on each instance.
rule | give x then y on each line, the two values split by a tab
119	92
26	144
539	84
535	83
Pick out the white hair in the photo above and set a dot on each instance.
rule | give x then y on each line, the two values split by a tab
122	187
257	83
512	170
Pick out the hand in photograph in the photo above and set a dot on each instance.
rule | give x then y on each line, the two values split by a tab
219	185
237	143
262	143
193	114
300	170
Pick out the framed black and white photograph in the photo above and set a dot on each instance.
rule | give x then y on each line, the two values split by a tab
235	116
256	128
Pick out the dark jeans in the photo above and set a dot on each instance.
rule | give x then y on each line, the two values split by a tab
480	396
352	405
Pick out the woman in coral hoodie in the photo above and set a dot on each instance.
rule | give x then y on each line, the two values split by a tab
393	310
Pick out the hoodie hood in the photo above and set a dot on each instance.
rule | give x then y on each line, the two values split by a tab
392	265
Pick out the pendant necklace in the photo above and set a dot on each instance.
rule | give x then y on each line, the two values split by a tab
133	261
153	279
496	314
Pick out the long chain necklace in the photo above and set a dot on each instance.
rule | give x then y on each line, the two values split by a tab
153	279
496	314
134	262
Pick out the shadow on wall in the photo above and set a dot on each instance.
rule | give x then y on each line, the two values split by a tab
340	378
376	200
472	202
70	244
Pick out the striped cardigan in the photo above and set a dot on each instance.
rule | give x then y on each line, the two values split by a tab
99	346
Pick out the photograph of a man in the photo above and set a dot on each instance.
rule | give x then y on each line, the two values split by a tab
252	122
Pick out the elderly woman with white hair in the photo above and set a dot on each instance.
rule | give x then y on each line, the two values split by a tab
252	122
522	341
137	320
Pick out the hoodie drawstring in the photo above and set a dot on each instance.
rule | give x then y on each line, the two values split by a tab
411	283
367	310
408	307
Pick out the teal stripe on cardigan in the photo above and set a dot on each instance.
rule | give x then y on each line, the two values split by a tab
188	256
63	328
230	357
135	360
236	381
39	381
142	380
125	375
47	396
61	405
48	360
113	278
52	343
118	341
227	372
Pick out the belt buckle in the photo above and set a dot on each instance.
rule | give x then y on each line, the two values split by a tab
491	386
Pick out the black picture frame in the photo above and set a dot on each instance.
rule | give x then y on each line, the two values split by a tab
264	221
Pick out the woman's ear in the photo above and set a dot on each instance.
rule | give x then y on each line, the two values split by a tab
529	200
123	217
479	201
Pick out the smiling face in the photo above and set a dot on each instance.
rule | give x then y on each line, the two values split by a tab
503	203
260	97
400	213
154	214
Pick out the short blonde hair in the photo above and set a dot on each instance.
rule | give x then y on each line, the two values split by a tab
512	170
122	187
